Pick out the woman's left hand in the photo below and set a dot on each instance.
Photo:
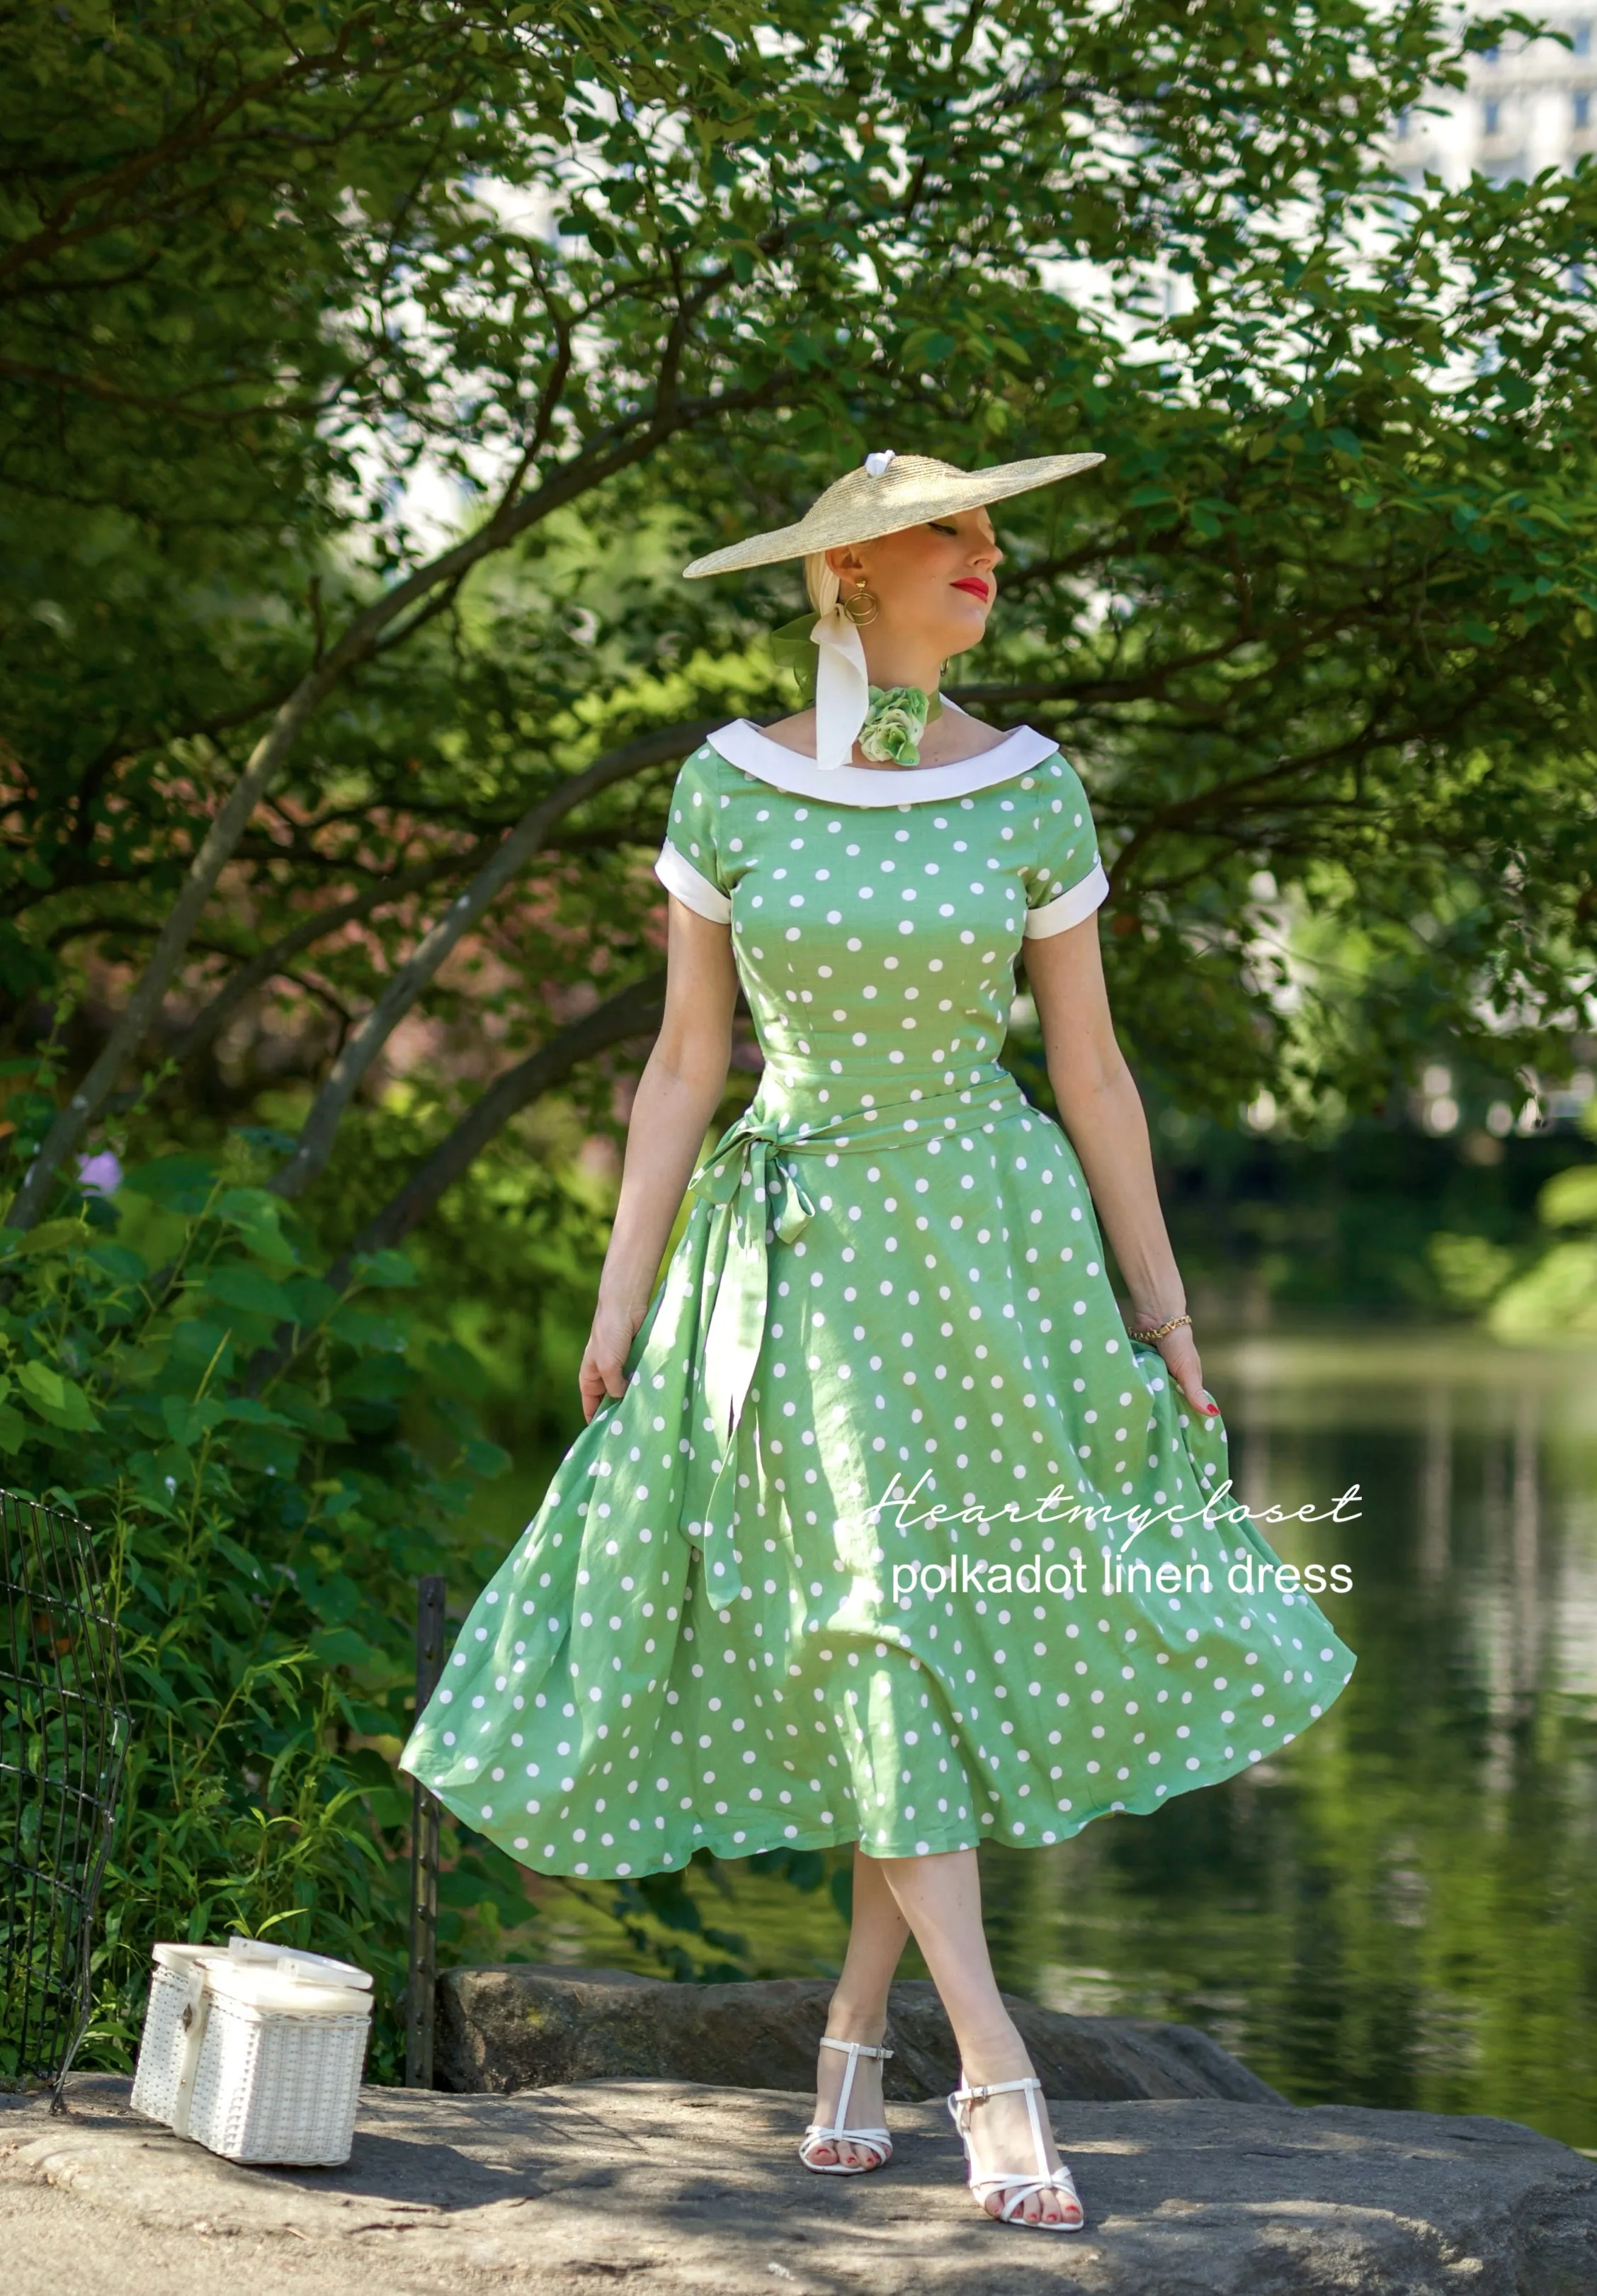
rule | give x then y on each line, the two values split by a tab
1180	1352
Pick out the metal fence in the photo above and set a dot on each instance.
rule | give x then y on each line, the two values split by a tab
63	1739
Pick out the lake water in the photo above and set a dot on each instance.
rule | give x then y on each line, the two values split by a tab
1401	1909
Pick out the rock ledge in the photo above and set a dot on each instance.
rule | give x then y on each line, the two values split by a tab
681	2189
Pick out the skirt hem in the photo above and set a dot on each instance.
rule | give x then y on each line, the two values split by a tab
728	1839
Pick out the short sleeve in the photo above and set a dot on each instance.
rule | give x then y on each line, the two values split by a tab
1065	880
687	864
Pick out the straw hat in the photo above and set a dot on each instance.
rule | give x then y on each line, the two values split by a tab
889	492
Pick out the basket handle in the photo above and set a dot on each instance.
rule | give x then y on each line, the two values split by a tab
196	2017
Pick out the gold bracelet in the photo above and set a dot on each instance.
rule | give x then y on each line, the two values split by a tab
1159	1330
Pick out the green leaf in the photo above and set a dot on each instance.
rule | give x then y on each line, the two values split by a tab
180	1183
240	1285
387	1269
118	1262
60	1400
485	1459
198	1344
246	1410
255	1215
187	1421
50	1236
260	1450
368	1333
309	1299
342	1646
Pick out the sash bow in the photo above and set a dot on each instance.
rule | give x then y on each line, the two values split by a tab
755	1199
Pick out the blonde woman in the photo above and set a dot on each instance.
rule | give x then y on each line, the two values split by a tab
883	1527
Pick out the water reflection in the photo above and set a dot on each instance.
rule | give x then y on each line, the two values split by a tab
1401	1909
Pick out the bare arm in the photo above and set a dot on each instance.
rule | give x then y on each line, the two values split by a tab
678	1092
1102	1112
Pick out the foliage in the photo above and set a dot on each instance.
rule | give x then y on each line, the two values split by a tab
1556	1296
176	1373
636	285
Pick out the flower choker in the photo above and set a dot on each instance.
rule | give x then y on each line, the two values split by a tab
895	722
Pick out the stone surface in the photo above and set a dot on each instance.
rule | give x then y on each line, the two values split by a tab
521	2026
673	2188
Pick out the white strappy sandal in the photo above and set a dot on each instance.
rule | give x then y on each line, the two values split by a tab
872	2140
1016	2190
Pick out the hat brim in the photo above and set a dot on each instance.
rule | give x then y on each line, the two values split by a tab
834	526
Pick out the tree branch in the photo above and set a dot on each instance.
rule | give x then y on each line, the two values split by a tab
207	867
211	1018
632	1011
529	836
624	445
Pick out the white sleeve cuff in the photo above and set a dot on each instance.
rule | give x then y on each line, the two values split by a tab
1070	908
680	877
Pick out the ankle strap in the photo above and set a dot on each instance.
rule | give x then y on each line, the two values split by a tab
854	2048
996	2089
962	2099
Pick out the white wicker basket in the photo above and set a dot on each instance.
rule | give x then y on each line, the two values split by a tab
256	2051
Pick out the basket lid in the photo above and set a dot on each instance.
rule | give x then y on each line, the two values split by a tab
260	1975
281	1990
292	1962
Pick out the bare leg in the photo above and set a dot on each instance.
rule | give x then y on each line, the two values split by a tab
940	1897
877	1938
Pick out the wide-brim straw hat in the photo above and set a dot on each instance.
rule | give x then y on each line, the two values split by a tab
889	492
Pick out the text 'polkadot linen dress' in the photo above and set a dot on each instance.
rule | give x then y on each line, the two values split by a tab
834	1566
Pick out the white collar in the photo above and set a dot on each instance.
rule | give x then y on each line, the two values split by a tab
741	744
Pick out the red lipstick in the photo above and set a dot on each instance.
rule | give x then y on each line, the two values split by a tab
974	585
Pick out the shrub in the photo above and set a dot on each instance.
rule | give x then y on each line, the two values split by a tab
267	1468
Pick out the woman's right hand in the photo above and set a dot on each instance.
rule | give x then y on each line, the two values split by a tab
604	1358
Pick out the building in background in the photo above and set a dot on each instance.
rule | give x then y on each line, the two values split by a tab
1530	104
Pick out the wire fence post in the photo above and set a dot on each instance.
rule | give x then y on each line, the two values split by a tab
424	1853
63	1741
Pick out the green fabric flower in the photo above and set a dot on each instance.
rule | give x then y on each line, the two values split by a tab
894	725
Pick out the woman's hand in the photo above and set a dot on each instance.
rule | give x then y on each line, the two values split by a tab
1180	1352
604	1358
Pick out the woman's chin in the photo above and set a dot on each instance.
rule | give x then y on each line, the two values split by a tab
962	631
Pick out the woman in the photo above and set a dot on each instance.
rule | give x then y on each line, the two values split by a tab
883	1529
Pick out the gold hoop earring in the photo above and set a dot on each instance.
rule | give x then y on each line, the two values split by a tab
861	606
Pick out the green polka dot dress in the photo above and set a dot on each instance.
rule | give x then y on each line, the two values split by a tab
894	1533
